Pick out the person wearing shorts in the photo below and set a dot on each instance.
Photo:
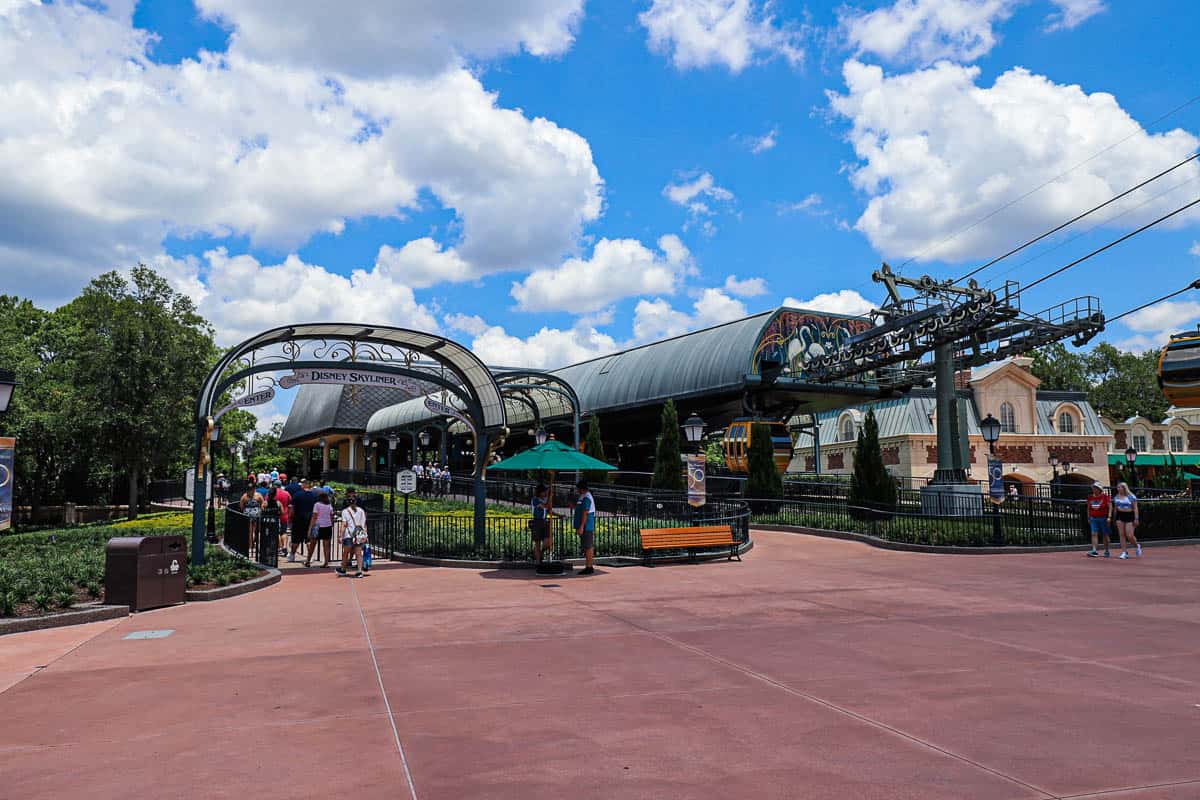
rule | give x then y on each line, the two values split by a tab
584	520
1125	511
1099	509
321	530
303	501
539	525
354	536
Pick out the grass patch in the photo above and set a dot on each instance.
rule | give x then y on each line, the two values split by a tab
45	571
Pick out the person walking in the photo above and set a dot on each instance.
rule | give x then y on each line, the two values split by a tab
354	537
284	498
272	514
1125	510
584	520
303	500
321	529
1099	510
539	525
251	506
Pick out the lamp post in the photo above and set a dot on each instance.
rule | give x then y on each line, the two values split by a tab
693	429
989	426
1131	461
393	440
8	384
423	436
540	435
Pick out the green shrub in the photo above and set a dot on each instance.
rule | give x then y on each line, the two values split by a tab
668	466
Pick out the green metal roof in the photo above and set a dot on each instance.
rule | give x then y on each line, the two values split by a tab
1156	459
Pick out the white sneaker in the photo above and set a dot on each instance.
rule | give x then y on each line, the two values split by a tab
1139	551
1123	555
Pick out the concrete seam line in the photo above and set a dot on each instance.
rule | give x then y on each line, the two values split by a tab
779	684
412	789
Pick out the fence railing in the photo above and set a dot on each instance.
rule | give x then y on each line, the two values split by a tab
1028	521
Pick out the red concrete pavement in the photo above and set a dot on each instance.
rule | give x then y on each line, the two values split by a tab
815	669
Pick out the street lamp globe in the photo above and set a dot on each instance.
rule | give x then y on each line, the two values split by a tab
424	437
366	440
1054	461
215	436
540	435
1131	456
393	440
8	382
989	426
693	428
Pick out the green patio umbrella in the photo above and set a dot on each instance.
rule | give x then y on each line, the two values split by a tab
552	456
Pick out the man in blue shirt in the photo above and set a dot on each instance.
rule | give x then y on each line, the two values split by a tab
584	520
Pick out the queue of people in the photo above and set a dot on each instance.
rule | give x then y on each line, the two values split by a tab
432	480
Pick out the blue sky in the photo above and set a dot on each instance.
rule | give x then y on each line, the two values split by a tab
553	179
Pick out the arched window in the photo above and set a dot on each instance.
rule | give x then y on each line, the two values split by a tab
1176	440
1066	423
1008	418
847	432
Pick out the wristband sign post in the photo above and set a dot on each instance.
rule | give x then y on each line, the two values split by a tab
406	484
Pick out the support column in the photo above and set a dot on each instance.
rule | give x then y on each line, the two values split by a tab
353	460
949	469
480	490
442	445
199	500
325	458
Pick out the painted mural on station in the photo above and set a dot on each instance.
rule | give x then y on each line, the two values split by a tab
794	337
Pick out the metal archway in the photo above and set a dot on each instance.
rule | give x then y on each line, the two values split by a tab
532	380
339	349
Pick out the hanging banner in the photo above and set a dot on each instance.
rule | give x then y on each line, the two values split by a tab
256	399
443	410
351	377
695	476
7	458
996	480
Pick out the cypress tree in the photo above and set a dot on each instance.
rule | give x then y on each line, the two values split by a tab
763	480
594	447
668	469
871	486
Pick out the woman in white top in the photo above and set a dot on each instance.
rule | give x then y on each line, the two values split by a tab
354	536
1125	511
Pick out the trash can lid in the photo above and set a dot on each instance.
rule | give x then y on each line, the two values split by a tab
136	544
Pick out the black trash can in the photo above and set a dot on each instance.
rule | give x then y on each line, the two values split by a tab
145	571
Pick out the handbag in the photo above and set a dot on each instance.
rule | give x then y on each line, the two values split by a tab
360	536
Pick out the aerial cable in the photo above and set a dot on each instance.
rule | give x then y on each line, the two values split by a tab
1038	188
1075	219
1193	285
1095	227
1113	243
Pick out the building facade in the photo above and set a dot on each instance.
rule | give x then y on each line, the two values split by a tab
1044	435
1175	439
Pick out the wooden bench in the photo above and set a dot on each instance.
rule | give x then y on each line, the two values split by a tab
690	539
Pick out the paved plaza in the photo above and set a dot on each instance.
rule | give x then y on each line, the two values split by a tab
814	669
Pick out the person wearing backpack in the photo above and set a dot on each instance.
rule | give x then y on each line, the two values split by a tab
354	536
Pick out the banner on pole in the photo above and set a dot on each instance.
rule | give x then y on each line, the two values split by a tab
996	480
443	410
7	459
351	377
256	399
695	474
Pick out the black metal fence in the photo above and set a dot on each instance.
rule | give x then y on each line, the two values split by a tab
1024	521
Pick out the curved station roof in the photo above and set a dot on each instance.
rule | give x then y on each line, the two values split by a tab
713	371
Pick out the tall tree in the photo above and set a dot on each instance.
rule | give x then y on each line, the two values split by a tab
871	485
594	447
668	466
139	352
763	480
1125	384
1060	369
266	454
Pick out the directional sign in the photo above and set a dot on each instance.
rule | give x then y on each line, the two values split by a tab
406	482
257	399
189	484
443	410
350	377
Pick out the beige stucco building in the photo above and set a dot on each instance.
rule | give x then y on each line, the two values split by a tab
1036	426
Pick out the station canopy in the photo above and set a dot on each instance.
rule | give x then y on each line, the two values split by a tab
714	371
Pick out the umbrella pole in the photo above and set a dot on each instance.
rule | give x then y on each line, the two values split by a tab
550	515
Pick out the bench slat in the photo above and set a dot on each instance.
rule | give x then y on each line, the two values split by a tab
686	538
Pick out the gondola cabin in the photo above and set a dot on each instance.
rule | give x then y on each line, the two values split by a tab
737	444
1179	370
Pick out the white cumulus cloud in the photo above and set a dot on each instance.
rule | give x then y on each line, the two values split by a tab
844	301
924	31
386	37
701	196
618	268
105	153
548	348
937	152
658	319
750	287
729	33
